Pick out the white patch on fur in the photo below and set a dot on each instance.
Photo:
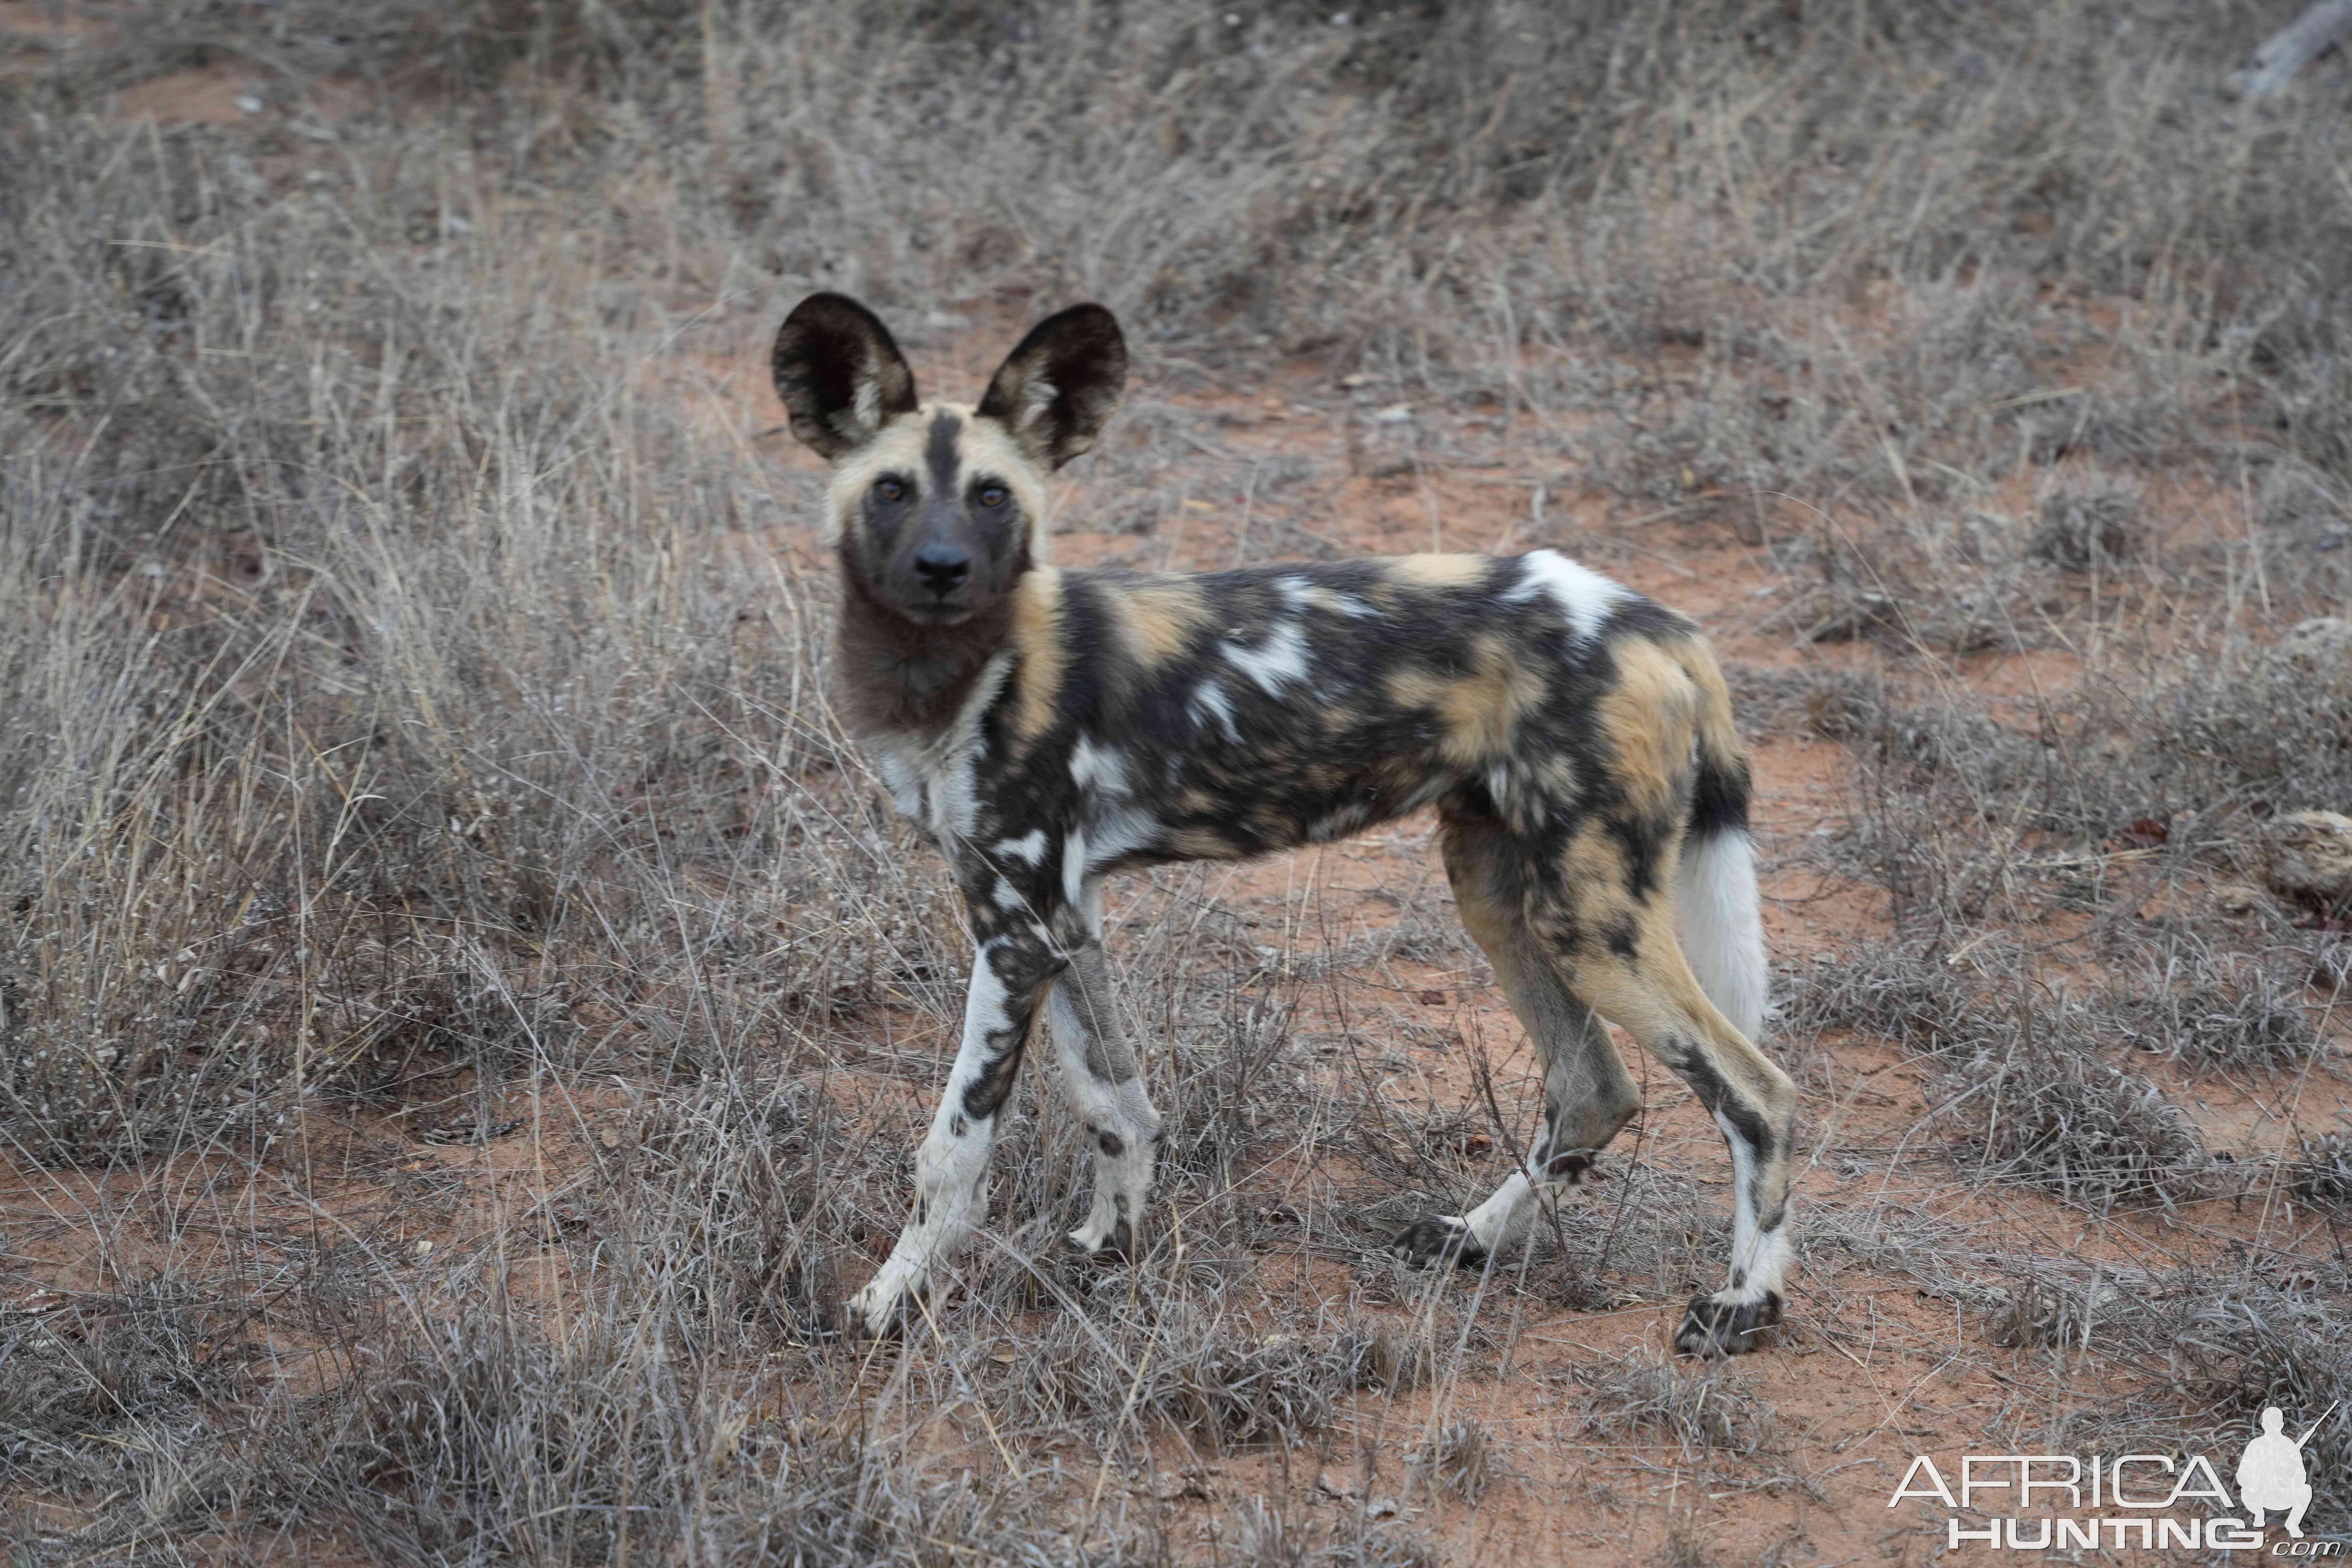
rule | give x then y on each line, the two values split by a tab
1498	786
1123	1110
949	1169
1210	702
947	765
1758	1258
1491	1223
1117	833
868	399
1098	768
900	777
1302	594
1281	662
1074	865
1585	596
1029	848
1037	397
1007	896
1722	927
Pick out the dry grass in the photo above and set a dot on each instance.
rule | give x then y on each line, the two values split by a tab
464	1006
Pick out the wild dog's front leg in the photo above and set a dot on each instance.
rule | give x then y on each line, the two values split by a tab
1010	974
1104	1086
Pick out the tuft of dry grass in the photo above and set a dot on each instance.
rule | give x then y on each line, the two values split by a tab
2048	1113
1646	1398
1459	1458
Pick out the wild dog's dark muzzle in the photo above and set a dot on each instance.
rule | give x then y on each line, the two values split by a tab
942	567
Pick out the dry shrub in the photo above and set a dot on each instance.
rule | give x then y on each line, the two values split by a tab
1967	810
1458	1458
2245	1350
1643	1397
103	1386
2225	1012
2049	1313
1261	1535
743	1192
2047	1113
1895	992
1170	1362
2321	1170
2088	523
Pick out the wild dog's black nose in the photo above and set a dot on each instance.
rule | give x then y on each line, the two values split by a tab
942	567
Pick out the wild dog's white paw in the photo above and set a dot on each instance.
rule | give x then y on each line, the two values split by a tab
1109	1244
881	1310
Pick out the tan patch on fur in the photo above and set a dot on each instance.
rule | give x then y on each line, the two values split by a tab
1201	844
1338	604
1716	731
1557	776
1491	925
899	448
1593	867
1648	713
1479	713
1438	571
1037	642
1156	620
988	448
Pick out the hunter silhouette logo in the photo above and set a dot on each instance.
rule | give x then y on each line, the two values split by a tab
2270	1472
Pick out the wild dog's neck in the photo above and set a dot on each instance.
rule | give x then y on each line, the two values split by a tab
901	676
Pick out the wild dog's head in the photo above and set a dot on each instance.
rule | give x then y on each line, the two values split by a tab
937	508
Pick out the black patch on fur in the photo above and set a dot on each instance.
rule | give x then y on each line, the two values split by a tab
1642	842
826	347
1712	1093
986	1095
943	454
1624	938
959	1127
1110	1145
1081	355
1570	1164
1719	801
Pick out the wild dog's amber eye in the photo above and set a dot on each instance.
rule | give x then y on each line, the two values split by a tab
888	489
993	495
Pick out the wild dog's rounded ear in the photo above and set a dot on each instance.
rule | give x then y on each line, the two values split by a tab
839	373
1056	390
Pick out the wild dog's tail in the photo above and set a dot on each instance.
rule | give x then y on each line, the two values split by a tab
1722	923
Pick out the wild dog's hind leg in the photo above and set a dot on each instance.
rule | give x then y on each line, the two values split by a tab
1641	981
1010	974
1104	1085
1587	1094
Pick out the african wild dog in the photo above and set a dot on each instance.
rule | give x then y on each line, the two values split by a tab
1046	727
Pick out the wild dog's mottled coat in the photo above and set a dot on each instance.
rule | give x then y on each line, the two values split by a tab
1047	727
